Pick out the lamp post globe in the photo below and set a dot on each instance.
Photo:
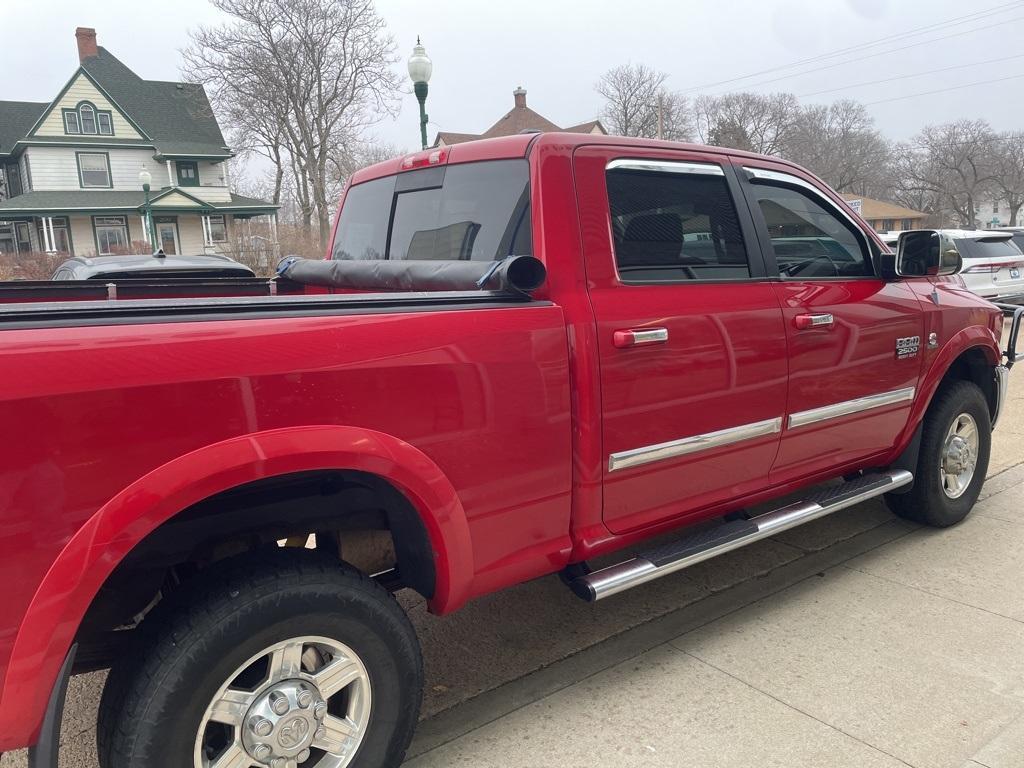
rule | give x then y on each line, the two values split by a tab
420	69
146	179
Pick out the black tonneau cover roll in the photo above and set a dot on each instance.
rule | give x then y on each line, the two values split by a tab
515	274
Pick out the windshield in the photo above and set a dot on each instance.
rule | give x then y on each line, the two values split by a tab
986	249
472	211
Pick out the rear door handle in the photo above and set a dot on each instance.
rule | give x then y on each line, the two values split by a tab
637	337
805	322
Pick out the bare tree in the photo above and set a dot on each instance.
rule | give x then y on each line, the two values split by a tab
321	72
1008	170
751	121
840	143
637	103
951	164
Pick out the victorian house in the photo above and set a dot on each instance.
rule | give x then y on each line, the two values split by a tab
73	168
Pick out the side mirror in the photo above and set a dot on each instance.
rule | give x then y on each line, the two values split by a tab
926	253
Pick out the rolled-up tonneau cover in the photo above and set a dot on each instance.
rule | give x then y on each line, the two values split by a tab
515	274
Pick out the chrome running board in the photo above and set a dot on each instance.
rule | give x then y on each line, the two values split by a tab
728	536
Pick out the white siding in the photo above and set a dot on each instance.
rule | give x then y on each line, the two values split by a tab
190	232
210	194
83	90
56	168
212	183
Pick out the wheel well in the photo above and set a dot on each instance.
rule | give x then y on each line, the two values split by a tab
357	516
973	365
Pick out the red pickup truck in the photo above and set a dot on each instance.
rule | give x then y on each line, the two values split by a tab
215	495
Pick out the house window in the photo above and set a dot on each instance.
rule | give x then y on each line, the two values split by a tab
188	173
216	230
94	170
86	119
906	224
995	207
111	235
87	115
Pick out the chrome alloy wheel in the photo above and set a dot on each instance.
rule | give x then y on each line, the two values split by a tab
959	456
302	702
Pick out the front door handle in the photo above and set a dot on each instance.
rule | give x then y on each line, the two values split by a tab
637	337
805	322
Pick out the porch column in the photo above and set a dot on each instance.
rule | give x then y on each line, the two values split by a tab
145	228
273	221
207	238
47	247
53	235
170	173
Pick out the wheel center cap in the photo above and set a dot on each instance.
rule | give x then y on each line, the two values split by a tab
282	722
958	455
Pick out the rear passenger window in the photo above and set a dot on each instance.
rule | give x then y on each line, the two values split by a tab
674	221
810	240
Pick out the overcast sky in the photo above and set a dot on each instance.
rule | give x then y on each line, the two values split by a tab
556	50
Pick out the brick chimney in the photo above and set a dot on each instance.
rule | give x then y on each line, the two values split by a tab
86	37
520	95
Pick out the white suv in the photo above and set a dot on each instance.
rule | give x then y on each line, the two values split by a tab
993	262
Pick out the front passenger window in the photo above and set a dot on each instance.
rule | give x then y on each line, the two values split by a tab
810	241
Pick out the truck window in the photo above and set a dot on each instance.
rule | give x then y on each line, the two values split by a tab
809	239
472	211
674	224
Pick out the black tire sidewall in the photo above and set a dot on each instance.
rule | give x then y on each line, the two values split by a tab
204	660
939	509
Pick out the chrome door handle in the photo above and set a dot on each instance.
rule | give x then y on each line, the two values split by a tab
804	322
639	336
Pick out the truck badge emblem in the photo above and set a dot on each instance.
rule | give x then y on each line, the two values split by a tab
907	346
293	733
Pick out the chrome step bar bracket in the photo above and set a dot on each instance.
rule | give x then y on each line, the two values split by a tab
704	545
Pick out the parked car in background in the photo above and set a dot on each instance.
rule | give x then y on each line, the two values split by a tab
149	266
1017	235
993	263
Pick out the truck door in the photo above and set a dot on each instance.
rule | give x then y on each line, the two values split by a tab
692	348
854	339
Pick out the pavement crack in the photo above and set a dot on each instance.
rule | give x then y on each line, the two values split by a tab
924	591
790	706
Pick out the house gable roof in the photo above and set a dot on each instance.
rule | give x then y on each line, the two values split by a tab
83	87
174	118
177	116
519	119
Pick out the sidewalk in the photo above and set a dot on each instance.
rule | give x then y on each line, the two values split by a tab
901	646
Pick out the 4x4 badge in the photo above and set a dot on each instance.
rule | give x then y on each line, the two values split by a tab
907	346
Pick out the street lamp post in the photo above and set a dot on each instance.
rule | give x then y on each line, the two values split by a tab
420	67
147	178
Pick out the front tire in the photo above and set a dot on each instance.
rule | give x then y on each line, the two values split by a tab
282	658
956	441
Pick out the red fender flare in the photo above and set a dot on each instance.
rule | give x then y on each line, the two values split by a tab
974	337
67	590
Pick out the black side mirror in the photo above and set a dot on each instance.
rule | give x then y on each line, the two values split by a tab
926	253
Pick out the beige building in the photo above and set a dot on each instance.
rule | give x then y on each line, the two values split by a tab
519	119
70	168
886	217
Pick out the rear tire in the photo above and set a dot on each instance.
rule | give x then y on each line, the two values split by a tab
283	653
956	441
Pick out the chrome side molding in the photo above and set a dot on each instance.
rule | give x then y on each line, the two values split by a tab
661	451
848	407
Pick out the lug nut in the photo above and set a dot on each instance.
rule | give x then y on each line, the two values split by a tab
279	703
260	726
261	751
279	762
320	710
304	698
303	756
321	733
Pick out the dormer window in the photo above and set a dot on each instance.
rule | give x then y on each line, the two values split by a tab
85	119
